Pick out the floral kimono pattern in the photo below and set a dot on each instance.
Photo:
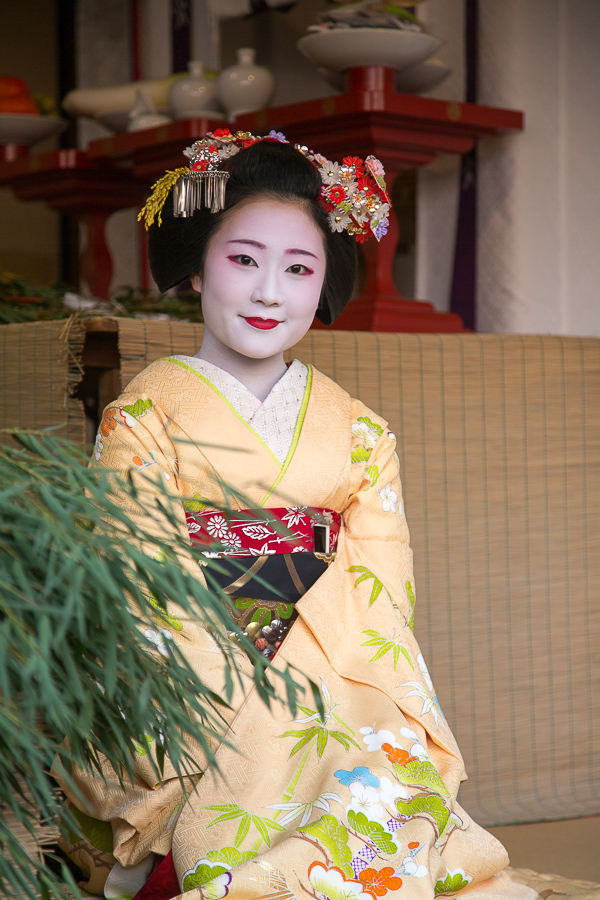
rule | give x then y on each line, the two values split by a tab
359	802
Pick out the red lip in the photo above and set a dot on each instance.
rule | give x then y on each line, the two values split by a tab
263	324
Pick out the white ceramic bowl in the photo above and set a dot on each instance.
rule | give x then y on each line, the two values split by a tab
24	129
346	48
415	80
422	77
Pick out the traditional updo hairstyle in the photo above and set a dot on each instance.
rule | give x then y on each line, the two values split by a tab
267	169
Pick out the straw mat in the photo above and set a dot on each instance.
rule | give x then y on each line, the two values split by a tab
40	366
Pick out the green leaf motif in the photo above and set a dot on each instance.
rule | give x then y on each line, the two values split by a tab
196	504
98	833
366	575
411	599
165	616
423	774
201	875
138	408
455	880
231	856
430	806
334	837
372	473
360	454
384	646
373	831
372	426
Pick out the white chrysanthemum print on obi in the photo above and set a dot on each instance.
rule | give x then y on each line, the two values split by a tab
218	527
389	499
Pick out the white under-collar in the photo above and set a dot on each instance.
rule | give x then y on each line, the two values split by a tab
274	420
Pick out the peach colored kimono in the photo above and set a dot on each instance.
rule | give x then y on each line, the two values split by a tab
362	802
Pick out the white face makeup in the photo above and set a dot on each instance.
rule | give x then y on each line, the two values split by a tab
261	284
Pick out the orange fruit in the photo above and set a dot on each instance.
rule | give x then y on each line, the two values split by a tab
11	86
19	104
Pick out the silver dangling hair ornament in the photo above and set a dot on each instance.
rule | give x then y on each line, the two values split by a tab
203	184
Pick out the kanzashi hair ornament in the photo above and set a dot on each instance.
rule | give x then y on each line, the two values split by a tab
353	194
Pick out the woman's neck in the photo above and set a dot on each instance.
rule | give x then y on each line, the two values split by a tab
259	376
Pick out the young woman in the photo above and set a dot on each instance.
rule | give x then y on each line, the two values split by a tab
359	803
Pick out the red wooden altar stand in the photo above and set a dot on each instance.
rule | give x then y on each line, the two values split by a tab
403	131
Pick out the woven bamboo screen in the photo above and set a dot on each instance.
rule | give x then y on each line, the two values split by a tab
499	445
39	368
499	442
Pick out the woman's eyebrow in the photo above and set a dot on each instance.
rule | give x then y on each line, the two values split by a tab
256	244
293	251
297	252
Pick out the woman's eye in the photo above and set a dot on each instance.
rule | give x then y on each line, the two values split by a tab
299	269
242	259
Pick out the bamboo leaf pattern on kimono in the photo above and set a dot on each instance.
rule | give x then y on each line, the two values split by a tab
231	811
366	575
386	645
411	599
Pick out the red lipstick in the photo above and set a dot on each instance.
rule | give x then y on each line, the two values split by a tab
263	324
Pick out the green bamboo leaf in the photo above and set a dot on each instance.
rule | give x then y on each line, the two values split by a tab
377	586
321	741
262	829
243	829
408	658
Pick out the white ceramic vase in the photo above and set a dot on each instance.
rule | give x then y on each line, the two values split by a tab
194	95
245	86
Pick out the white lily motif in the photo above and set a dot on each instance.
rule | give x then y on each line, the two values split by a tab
294	810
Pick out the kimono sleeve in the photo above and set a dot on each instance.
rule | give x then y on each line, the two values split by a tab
135	441
375	523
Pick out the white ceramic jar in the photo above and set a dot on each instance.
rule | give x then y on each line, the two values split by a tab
190	97
245	86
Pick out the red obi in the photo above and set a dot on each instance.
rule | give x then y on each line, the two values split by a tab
258	532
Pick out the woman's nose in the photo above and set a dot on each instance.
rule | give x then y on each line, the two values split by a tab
268	291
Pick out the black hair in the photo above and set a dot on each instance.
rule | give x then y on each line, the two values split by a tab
177	248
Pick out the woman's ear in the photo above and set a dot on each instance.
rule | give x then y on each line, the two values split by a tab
197	283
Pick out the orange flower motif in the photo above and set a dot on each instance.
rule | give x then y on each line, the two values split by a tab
395	755
412	845
380	882
109	423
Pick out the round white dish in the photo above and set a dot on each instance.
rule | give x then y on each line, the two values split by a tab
422	77
24	129
346	48
414	80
